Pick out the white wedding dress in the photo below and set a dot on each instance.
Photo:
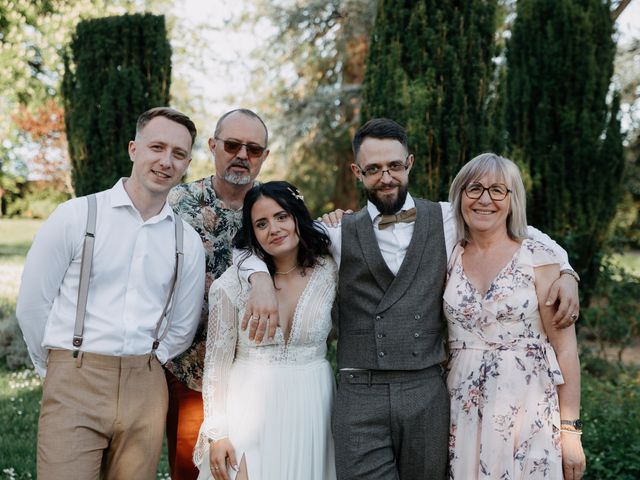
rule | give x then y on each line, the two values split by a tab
273	400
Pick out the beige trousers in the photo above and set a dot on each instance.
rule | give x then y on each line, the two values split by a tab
101	417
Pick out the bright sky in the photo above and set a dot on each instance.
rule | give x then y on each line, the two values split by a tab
223	76
222	73
629	21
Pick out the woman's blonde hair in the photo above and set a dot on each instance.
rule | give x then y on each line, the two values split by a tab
504	170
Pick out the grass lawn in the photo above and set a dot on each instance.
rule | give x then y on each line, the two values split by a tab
16	236
19	407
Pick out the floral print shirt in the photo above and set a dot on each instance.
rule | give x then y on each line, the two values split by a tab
198	205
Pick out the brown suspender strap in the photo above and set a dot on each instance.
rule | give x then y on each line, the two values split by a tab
85	274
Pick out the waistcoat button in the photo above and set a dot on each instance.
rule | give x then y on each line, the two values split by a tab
381	354
417	317
416	334
380	335
378	317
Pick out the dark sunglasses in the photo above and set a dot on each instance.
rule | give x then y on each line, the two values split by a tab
233	147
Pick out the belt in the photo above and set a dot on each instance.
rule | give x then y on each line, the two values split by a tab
376	377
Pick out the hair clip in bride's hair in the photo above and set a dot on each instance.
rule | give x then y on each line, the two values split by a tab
296	194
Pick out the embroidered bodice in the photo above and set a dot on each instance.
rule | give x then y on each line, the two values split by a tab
227	343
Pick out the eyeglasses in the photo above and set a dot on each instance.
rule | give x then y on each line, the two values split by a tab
497	191
233	147
372	171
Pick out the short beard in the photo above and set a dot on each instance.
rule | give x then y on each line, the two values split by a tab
237	178
388	207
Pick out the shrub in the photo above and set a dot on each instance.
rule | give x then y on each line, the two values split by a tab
613	318
37	201
430	68
563	123
611	413
13	351
116	68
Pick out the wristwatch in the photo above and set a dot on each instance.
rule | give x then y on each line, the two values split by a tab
577	423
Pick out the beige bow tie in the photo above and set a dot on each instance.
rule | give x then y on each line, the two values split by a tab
406	216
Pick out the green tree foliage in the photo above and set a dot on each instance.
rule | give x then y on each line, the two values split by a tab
561	126
118	68
430	69
610	398
627	79
313	67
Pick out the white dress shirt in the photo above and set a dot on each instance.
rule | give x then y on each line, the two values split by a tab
133	263
394	240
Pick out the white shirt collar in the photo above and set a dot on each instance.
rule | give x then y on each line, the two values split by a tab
374	213
118	197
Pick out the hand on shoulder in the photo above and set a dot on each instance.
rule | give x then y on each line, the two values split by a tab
333	219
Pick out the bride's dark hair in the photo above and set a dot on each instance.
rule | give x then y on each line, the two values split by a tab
314	242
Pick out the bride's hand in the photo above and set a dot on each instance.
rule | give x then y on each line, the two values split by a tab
221	454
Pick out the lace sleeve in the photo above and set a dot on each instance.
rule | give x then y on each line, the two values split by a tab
220	350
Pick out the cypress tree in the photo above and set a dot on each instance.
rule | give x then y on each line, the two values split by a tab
560	63
430	68
117	68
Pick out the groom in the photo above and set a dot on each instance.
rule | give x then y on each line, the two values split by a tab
391	413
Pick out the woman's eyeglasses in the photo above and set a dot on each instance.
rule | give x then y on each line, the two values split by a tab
497	191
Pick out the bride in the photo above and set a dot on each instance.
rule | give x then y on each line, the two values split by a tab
267	406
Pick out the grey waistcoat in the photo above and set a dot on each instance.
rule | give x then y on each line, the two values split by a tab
388	322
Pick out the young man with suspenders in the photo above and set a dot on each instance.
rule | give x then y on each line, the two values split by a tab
111	290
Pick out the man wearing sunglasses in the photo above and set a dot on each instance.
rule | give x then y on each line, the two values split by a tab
213	206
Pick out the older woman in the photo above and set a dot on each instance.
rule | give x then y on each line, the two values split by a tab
514	379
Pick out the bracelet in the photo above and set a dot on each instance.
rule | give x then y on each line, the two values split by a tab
566	430
573	273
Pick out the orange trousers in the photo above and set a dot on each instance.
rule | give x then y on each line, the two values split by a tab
184	417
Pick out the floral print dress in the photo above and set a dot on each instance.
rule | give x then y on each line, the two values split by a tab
502	374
